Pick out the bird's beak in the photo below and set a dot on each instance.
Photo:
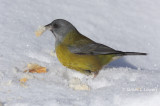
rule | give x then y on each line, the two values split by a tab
48	27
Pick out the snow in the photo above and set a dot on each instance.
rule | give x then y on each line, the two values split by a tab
121	24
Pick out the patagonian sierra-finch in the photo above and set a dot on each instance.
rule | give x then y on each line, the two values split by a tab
77	51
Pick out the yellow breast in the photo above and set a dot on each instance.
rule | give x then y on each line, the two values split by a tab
77	62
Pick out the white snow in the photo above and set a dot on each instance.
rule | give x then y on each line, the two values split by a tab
127	25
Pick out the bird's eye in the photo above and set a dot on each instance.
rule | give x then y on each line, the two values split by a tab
55	25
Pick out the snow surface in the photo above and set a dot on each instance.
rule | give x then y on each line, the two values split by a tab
128	25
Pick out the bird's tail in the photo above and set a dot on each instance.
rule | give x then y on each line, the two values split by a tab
134	53
130	53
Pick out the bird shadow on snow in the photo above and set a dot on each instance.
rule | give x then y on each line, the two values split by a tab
121	62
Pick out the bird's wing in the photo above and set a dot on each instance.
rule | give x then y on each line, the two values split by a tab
92	48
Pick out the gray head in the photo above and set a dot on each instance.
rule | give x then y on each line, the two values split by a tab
60	28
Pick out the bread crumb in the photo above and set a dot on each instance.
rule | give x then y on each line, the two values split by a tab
35	68
23	80
40	31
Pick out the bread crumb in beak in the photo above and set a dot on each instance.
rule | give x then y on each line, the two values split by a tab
40	31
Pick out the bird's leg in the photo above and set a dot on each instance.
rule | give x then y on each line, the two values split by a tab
91	73
95	74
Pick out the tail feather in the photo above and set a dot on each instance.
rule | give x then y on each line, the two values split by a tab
130	53
134	53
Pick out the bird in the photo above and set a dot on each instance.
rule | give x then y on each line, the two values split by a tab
80	53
